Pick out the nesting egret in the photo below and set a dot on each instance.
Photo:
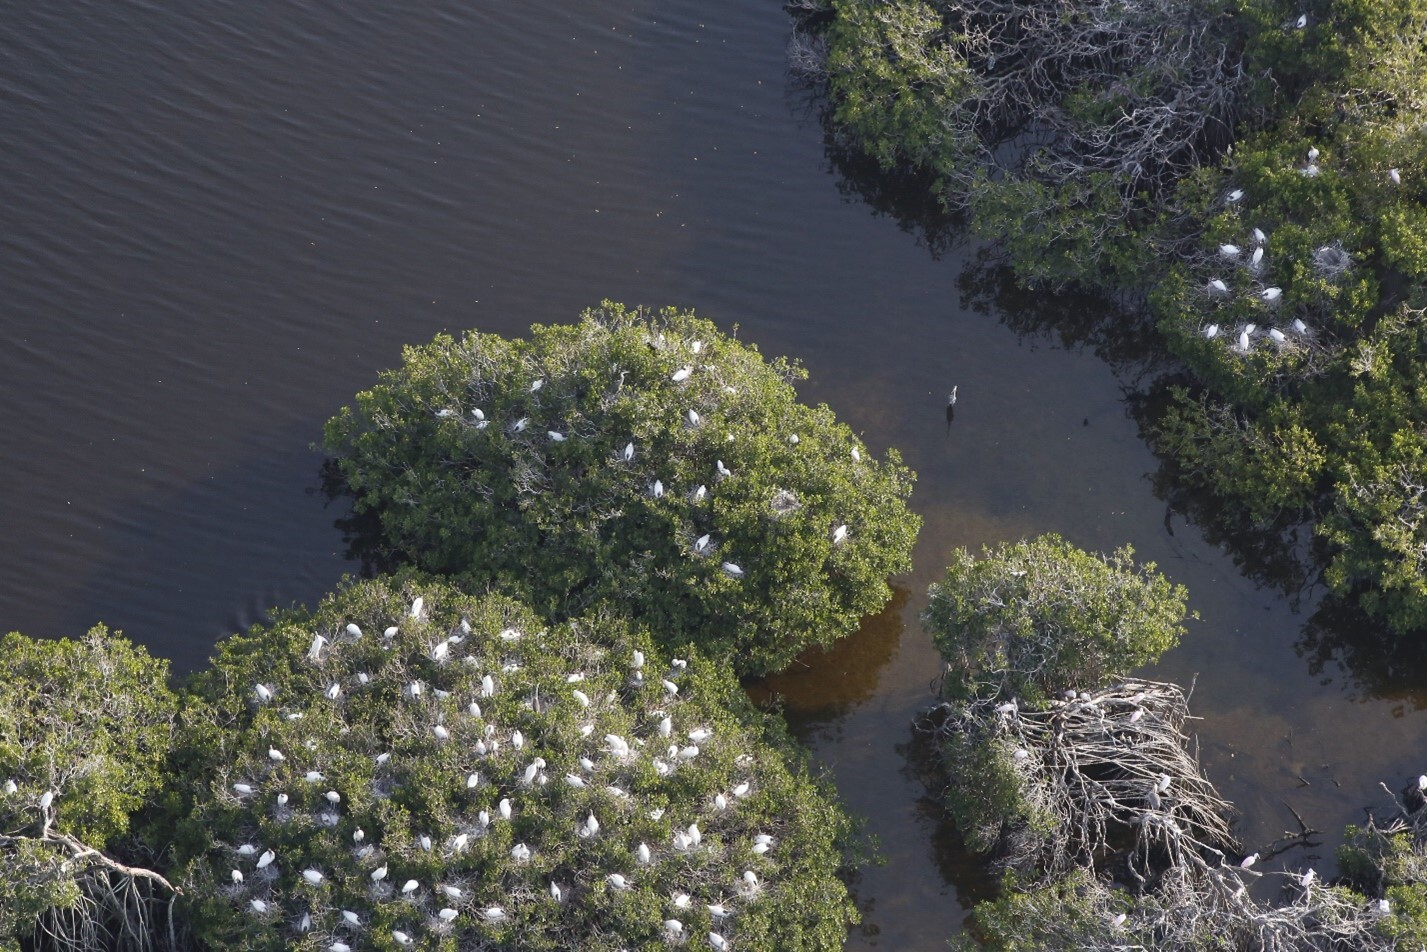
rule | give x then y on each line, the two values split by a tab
379	874
636	659
237	875
1235	195
314	776
315	651
839	535
1384	907
741	790
339	947
1164	781
263	692
643	854
1244	342
517	739
590	827
520	425
618	881
266	859
575	780
750	879
259	906
718	943
1307	878
401	937
794	439
1256	258
410	887
445	413
1229	251
493	913
446	915
682	374
1277	335
440	650
1248	329
656	814
1248	861
1299	326
333	797
701	544
241	788
722	469
1020	755
1259	237
720	802
1310	170
673	928
628	453
693	417
689	753
505	808
520	852
247	849
856	456
671	687
391	632
313	876
1271	294
1394	176
1217	286
556	893
733	569
719	911
359	835
698	494
1119	921
700	734
1301	22
657	489
282	799
334	690
441	732
1211	332
1008	707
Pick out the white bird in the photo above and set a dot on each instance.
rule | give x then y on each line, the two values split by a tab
1271	294
636	659
1277	335
275	755
401	937
689	753
617	881
856	456
414	689
440	650
719	911
1384	907
351	917
556	892
575	780
521	424
379	874
536	384
590	827
1299	326
505	808
1394	176
1007	708
696	346
259	906
839	535
333	797
1218	286
1301	22
446	915
643	855
263	692
794	439
317	642
1236	194
1211	332
718	943
333	691
693	417
1256	258
1229	251
741	790
1310	170
1250	328
48	797
517	739
628	453
722	469
1119	921
493	913
487	686
666	727
1244	341
520	852
700	734
266	859
312	876
391	632
750	879
1307	878
441	732
1164	781
359	835
410	887
670	687
247	849
419	602
673	928
237	876
314	777
733	569
682	374
339	947
1248	861
657	490
699	493
1313	153
282	799
354	630
1260	237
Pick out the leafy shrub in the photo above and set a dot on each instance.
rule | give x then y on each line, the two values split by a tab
1034	618
645	461
424	763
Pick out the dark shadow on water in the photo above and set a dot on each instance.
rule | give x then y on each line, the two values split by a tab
1377	663
361	531
823	684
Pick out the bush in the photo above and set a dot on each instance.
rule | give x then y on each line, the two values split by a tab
637	460
394	722
1032	619
85	733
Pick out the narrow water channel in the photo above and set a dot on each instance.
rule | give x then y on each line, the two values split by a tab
221	219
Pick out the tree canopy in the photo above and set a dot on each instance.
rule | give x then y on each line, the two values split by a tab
635	459
410	764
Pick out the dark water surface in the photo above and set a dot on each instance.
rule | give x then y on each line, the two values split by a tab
219	219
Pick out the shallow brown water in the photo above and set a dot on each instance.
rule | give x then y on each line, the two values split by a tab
221	219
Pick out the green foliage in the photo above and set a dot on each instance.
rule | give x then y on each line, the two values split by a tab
1031	619
988	796
1067	913
642	461
437	708
88	722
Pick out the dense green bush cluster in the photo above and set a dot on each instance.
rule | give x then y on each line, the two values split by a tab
1031	619
639	460
1280	242
409	764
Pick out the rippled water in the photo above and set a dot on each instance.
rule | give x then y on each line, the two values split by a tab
220	219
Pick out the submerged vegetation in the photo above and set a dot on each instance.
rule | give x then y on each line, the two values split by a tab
1254	175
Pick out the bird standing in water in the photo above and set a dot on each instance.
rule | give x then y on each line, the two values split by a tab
950	409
